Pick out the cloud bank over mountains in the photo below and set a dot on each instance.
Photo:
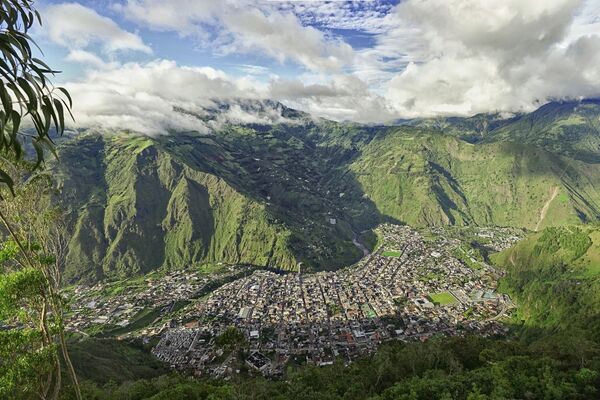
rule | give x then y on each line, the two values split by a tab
362	61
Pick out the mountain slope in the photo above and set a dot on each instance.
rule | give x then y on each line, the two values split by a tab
268	195
301	190
138	209
424	178
570	128
555	277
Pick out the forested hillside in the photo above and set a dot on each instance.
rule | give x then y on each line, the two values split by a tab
570	128
555	278
244	196
425	178
300	191
139	209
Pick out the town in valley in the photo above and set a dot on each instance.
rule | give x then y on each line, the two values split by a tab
414	285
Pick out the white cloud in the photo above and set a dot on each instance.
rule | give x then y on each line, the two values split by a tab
77	27
85	57
480	56
90	59
183	16
338	97
141	97
243	26
255	111
431	57
282	36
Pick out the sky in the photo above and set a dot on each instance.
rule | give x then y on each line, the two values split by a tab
128	63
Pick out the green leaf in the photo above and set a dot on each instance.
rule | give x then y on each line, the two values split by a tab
15	117
67	95
6	101
61	115
8	181
39	150
32	103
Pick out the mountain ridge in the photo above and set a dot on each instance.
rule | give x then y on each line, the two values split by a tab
300	192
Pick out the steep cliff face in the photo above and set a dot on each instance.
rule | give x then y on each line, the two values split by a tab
136	209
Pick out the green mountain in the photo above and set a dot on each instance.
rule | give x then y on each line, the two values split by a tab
139	209
530	171
568	128
425	178
301	190
555	277
242	196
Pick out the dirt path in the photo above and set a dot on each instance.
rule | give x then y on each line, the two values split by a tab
546	207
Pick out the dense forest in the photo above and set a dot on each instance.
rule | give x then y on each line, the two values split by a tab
561	366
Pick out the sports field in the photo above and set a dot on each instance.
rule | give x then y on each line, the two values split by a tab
443	298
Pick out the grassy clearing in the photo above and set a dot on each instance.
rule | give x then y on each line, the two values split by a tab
368	310
443	298
391	253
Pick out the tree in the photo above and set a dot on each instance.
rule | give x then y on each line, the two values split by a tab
30	303
26	92
231	338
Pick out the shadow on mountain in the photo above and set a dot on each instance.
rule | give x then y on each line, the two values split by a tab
301	173
85	181
138	204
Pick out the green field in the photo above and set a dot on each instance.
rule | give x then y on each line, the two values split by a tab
443	298
368	310
390	253
139	321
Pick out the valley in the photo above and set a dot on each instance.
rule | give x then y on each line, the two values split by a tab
299	200
247	256
256	253
413	287
279	195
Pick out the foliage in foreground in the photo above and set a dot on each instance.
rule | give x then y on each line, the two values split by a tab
26	92
31	326
442	368
32	340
